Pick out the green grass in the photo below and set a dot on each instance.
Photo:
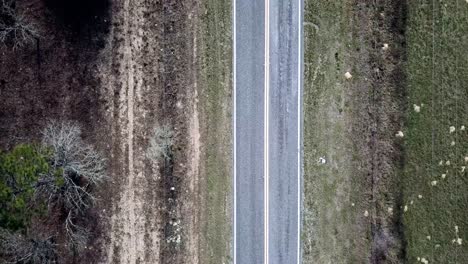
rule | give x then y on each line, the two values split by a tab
437	77
330	233
215	120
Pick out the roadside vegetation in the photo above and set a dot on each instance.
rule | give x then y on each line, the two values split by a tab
47	183
215	126
353	103
386	143
330	233
436	136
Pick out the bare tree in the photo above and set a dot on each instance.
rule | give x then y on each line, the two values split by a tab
161	143
76	168
19	249
14	27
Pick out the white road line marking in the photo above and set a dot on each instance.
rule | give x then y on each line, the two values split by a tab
234	132
265	124
299	78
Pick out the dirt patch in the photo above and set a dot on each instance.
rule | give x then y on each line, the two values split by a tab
151	79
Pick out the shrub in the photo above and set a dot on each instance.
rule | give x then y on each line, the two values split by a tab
76	168
161	143
18	249
15	29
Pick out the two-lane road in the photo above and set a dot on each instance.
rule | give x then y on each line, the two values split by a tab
267	130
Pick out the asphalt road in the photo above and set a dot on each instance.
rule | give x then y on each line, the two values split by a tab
267	130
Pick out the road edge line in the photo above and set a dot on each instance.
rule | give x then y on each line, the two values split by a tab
266	129
234	127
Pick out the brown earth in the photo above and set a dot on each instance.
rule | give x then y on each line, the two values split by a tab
119	71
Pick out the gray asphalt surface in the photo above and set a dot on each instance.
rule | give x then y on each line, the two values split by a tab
249	130
283	131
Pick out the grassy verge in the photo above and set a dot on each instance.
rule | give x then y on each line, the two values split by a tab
329	189
352	202
215	110
438	83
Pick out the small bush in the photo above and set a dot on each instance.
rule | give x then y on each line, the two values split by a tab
15	29
161	143
18	249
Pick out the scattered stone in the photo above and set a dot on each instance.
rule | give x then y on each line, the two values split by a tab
405	208
420	196
385	46
348	75
366	213
444	175
417	108
433	183
452	129
399	134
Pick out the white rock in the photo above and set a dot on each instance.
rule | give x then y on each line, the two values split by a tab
366	213
433	183
405	208
444	175
420	196
417	108
462	128
348	75
452	129
385	46
399	134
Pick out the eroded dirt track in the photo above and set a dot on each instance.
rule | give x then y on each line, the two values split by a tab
150	79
